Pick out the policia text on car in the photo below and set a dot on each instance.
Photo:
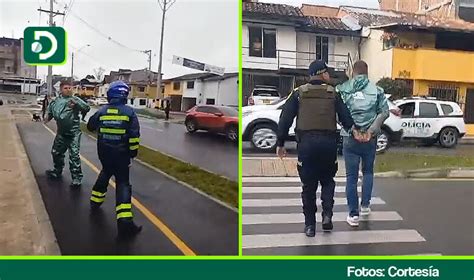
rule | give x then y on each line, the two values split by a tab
117	143
315	106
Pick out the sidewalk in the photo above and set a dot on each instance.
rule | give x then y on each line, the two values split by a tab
25	228
275	167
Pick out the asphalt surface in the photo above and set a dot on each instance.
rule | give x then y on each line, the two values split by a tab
204	226
208	151
410	147
429	217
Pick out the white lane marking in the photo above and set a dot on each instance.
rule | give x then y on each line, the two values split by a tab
296	202
283	179
270	190
297	218
334	238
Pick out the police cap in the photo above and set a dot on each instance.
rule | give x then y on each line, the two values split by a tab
317	67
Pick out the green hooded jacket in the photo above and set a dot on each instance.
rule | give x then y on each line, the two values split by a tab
66	115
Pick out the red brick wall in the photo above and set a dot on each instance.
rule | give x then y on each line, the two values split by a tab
319	11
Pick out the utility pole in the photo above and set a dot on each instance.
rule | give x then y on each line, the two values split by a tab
72	60
51	23
148	52
165	5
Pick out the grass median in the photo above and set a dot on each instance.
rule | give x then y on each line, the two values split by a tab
214	185
404	161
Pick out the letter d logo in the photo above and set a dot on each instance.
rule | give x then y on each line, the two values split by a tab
44	46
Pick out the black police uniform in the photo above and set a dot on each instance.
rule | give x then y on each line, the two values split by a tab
317	152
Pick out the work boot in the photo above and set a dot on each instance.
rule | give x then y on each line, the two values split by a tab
128	229
327	223
95	206
53	174
310	231
75	184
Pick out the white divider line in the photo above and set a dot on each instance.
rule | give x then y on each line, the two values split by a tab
334	238
296	218
338	189
296	202
283	179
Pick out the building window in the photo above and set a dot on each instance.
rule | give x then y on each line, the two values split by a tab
190	84
142	102
444	92
210	101
322	48
176	85
262	42
141	89
390	40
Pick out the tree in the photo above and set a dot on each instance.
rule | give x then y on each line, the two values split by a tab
99	73
395	87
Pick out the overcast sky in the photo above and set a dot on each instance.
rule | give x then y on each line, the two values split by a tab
203	30
335	3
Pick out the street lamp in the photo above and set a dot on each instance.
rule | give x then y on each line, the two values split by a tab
72	61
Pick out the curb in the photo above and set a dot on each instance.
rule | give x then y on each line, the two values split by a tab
48	244
236	210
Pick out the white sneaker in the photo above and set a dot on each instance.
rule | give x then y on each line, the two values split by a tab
364	211
353	221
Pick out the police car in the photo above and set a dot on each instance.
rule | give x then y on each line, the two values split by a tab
423	119
260	124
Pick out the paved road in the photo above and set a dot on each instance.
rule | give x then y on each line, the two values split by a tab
196	224
408	218
459	150
208	151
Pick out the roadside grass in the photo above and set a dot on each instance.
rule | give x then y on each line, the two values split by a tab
155	113
404	161
214	185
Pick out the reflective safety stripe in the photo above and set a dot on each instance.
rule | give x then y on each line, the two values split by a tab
123	206
98	200
114	118
112	130
124	215
112	111
134	140
134	147
99	194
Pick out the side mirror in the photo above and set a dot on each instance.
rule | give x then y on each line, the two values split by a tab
218	114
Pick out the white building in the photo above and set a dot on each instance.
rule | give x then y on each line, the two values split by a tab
205	88
279	43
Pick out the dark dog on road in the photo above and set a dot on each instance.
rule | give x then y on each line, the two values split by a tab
36	118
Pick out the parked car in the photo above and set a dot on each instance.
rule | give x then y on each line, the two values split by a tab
260	124
39	99
262	95
101	101
220	119
424	119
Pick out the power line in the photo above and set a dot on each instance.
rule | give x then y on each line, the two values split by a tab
109	38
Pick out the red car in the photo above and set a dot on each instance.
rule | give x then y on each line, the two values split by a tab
220	119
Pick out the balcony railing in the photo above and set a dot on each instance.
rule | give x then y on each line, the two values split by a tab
292	60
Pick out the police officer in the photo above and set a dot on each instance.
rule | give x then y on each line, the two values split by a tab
117	143
315	106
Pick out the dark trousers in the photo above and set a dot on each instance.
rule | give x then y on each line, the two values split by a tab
317	163
116	165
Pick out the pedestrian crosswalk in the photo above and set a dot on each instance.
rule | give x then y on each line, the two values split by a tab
273	223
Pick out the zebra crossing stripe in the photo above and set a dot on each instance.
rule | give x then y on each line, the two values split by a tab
259	219
283	179
334	238
270	190
296	202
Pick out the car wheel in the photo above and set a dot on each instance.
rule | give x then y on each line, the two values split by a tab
448	137
264	137
191	125
383	142
232	133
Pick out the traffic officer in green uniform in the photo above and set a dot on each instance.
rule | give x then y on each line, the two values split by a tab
65	110
315	106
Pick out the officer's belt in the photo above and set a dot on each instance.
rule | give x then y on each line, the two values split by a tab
321	132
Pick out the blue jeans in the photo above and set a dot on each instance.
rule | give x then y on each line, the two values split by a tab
354	151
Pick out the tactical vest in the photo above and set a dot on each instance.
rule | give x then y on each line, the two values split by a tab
316	108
